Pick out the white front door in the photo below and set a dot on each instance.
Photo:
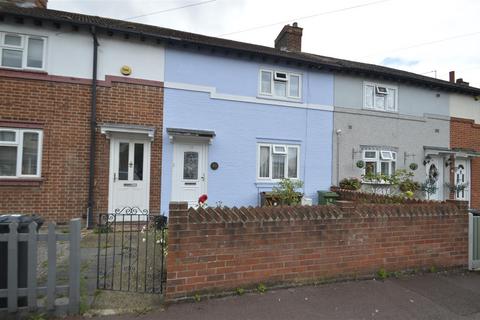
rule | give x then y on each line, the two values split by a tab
129	176
462	180
189	176
435	178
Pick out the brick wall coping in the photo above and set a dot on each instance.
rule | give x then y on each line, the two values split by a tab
324	212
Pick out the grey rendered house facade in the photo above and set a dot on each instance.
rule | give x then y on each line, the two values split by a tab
390	125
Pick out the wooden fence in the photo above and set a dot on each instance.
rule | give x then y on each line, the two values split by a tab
32	238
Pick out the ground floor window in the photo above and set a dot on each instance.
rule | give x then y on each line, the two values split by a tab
379	162
277	161
20	152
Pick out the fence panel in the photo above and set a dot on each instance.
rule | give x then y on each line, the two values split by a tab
27	293
474	241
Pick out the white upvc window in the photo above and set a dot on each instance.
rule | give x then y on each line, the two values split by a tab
275	161
279	84
19	51
379	162
380	97
20	153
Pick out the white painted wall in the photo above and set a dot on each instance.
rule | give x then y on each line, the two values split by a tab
70	53
463	106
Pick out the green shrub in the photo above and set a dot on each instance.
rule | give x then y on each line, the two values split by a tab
409	185
350	184
286	191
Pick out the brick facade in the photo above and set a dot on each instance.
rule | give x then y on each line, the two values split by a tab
61	106
465	134
219	249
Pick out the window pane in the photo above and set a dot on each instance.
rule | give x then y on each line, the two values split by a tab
278	166
394	167
266	85
264	166
369	96
30	153
7	136
35	53
370	168
294	86
190	165
13	40
123	161
138	162
292	163
8	161
12	58
280	88
370	154
391	100
380	101
385	168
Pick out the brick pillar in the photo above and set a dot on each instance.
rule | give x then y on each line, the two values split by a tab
177	220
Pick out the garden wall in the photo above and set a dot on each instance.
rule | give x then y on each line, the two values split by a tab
219	249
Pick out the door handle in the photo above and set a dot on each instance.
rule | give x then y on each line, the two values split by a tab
202	177
114	177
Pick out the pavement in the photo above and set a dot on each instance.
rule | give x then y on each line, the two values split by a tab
428	296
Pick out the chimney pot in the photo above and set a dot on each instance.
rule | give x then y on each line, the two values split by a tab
290	38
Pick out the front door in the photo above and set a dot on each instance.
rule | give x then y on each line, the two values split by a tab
129	176
435	178
189	176
462	180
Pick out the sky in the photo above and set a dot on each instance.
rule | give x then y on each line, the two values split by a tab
429	37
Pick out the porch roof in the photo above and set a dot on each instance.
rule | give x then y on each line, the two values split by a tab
456	152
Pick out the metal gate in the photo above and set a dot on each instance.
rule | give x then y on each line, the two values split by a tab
132	246
474	240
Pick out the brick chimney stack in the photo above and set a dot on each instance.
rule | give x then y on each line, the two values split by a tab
28	3
452	76
290	38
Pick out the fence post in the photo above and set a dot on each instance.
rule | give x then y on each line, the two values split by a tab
471	238
52	266
32	266
12	282
74	276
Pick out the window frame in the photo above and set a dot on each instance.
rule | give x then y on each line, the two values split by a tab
19	133
25	42
378	160
273	78
270	168
375	86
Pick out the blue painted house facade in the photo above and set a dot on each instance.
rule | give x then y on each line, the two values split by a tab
235	125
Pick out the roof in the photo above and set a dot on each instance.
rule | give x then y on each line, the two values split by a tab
176	36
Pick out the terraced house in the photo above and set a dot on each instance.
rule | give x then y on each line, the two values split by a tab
100	115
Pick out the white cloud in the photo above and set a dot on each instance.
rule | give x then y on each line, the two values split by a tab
369	34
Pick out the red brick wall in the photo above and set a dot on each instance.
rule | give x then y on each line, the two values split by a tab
464	133
62	107
218	250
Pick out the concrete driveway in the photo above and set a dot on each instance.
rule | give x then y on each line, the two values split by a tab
430	296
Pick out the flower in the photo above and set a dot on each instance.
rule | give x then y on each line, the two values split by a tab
202	199
143	240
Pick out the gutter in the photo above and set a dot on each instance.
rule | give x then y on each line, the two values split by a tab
93	126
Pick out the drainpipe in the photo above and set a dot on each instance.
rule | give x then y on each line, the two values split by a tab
338	133
93	126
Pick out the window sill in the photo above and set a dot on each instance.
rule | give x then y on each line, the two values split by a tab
21	182
380	110
376	183
41	71
274	98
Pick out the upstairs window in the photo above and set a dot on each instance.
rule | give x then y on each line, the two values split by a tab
22	51
20	153
380	97
276	161
279	84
